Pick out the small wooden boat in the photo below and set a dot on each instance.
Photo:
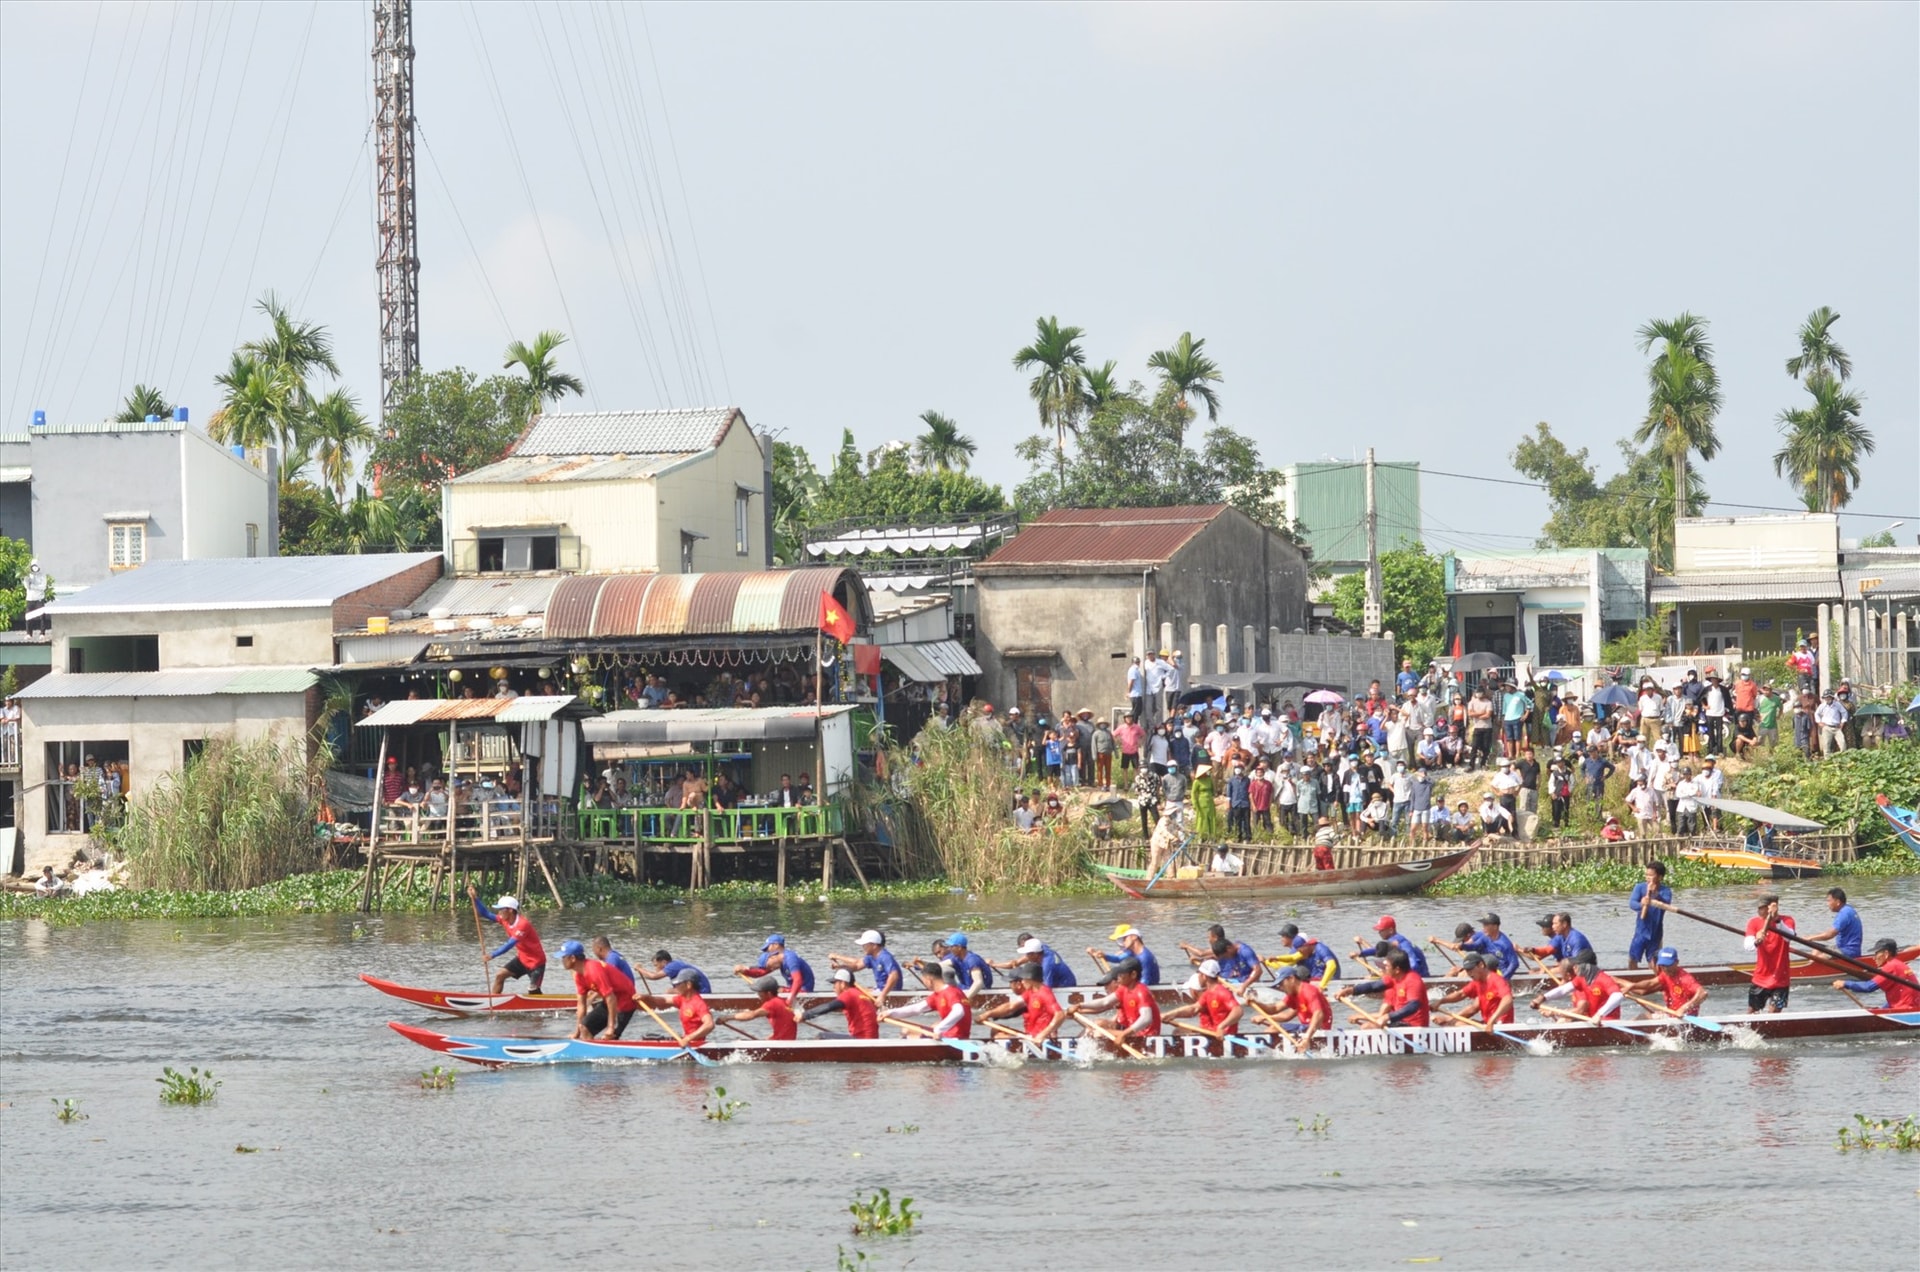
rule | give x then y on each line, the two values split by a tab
1772	864
502	1052
1905	822
1392	879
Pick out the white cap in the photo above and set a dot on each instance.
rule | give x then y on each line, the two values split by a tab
871	937
1191	985
506	903
1032	947
1209	967
842	974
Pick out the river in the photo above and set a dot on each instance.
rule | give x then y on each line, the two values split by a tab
1701	1158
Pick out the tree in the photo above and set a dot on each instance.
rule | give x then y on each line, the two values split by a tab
305	520
1186	371
1683	396
335	427
1413	595
444	423
544	382
796	487
943	445
1825	442
301	348
1100	387
144	402
258	405
1624	511
888	488
1819	354
1058	363
1883	539
16	558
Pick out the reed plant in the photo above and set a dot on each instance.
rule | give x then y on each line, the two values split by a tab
238	815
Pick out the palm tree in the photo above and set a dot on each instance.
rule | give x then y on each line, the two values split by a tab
365	523
258	407
1102	388
1686	333
943	445
1058	363
1683	397
335	427
1819	355
545	383
1186	370
142	402
1825	444
301	348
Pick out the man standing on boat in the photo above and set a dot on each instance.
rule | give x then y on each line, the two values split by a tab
863	1018
1676	984
877	958
529	958
776	957
1772	975
1893	971
605	995
1486	993
1845	933
1648	902
1132	946
1032	999
1390	939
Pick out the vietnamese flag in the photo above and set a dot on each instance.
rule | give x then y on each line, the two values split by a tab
834	620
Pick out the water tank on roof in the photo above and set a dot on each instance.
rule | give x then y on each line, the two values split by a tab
153	419
239	452
179	415
39	419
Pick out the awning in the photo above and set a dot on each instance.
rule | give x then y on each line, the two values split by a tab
1693	589
178	683
708	724
523	710
930	662
1761	813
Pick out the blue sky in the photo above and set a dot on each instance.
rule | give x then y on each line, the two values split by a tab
1417	227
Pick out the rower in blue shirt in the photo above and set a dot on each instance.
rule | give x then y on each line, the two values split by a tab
666	967
1239	965
1390	938
1649	918
876	958
1132	945
1490	942
1845	932
776	957
604	951
1564	941
1054	972
1315	958
976	973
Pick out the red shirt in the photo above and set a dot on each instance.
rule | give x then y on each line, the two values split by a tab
1679	986
1899	997
1260	794
1770	959
1136	1004
1307	999
526	941
863	1018
780	1019
1322	857
1487	995
1591	995
943	999
1409	989
610	983
1042	1006
1745	694
694	1011
1216	1003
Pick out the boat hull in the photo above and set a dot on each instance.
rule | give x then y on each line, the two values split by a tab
1905	823
1392	879
1773	867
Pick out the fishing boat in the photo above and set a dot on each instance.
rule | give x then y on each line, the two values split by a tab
1772	864
1905	822
1392	879
502	1052
1755	853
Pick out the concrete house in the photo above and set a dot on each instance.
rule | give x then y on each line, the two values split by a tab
666	492
152	664
1551	607
1078	592
97	500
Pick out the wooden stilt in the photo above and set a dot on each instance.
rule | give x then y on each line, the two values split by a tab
826	867
853	861
780	867
551	885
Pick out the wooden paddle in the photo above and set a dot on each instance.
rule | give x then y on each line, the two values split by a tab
1274	1023
1701	1022
1378	1020
1858	1001
1831	953
1451	960
1483	1026
1577	1018
1101	1031
660	1020
486	959
1199	1029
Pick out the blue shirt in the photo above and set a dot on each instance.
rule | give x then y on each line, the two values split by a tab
1499	947
1054	970
794	968
1149	965
1846	931
966	964
616	959
1570	945
884	967
1316	962
1240	964
1406	682
1412	951
675	966
1655	923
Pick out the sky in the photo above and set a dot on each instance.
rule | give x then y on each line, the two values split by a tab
1420	228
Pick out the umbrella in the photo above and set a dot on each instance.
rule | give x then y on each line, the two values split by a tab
1874	709
1915	704
1324	697
1761	813
1614	696
1480	662
1199	693
1556	676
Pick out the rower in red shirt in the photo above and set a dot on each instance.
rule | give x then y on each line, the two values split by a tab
605	994
1306	1011
529	959
1772	956
1676	984
863	1018
1900	997
1031	1000
1136	1015
779	1013
1596	995
1403	994
1486	993
696	1017
1214	1003
953	1015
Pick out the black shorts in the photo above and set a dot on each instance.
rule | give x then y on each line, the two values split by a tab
1758	999
597	1020
534	975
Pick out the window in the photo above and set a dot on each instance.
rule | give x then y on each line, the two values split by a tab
253	539
1561	639
126	545
87	654
191	749
1717	636
543	552
493	555
686	551
86	782
243	642
742	519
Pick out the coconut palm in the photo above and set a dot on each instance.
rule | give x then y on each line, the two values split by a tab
1825	443
545	383
1186	371
1819	354
1058	363
334	427
943	446
1102	387
258	406
1682	402
144	401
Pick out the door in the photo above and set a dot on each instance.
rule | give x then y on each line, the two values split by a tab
1033	687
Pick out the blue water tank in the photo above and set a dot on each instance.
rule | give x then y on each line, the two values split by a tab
39	419
179	415
239	452
153	419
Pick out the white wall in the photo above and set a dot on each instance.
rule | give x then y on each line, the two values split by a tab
205	638
221	495
698	496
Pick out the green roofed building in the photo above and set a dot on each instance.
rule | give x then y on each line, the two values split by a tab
1330	501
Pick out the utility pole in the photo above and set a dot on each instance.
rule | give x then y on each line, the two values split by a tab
395	210
1371	616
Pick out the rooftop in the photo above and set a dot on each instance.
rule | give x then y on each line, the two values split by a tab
1105	536
627	432
549	469
180	683
293	582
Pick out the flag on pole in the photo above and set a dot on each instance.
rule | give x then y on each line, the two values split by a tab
834	620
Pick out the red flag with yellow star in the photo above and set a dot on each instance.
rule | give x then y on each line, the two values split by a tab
834	620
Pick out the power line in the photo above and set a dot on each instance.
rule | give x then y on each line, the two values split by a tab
479	265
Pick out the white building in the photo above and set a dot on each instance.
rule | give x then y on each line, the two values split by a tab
1550	607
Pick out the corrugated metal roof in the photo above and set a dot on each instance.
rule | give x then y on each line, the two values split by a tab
179	683
706	724
291	582
522	710
494	596
931	661
545	469
627	432
1902	581
613	605
1751	585
1104	536
165	425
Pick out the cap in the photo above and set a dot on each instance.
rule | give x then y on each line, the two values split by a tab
1384	922
1032	947
871	937
1886	945
507	903
1124	930
689	976
776	939
1472	961
958	938
1463	930
1114	971
572	949
1545	921
987	710
1013	711
839	974
1025	971
1191	985
1667	957
763	985
1490	919
1209	967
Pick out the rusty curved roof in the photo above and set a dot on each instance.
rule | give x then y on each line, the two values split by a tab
1104	536
596	606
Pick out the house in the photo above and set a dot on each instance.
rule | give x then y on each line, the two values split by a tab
97	500
153	663
1552	607
1329	501
665	492
1070	599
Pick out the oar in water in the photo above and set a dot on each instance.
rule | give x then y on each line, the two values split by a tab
691	1054
486	959
1858	1001
1515	1039
965	1046
1577	1018
1448	954
1274	1023
1101	1031
1790	935
1698	1022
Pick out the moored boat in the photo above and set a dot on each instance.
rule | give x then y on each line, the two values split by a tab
1773	865
1905	822
1385	880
